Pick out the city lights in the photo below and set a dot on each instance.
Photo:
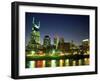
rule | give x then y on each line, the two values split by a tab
58	54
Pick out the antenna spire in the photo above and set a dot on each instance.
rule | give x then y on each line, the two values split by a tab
33	20
39	23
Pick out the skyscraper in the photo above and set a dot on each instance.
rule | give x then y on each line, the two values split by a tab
56	41
61	40
61	44
85	45
35	31
34	42
47	41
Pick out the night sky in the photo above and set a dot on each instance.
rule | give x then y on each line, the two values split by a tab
71	27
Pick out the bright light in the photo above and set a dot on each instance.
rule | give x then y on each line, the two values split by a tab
33	52
85	40
32	64
53	51
61	62
53	63
44	63
61	54
67	62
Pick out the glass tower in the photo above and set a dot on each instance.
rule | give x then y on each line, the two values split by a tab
34	42
47	41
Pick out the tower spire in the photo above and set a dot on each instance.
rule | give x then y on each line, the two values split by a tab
39	24
33	20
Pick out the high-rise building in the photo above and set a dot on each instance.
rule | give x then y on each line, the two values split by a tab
85	45
35	31
56	41
64	47
34	42
61	40
85	42
47	41
61	44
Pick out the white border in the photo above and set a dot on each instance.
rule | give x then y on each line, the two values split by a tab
38	9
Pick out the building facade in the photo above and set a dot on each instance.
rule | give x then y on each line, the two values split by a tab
46	41
34	42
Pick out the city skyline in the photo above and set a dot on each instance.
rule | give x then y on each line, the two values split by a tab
70	27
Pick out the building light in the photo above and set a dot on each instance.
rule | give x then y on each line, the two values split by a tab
85	40
53	51
32	52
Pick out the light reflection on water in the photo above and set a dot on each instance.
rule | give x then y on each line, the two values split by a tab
58	63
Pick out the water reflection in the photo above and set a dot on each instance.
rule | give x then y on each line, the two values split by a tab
57	63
